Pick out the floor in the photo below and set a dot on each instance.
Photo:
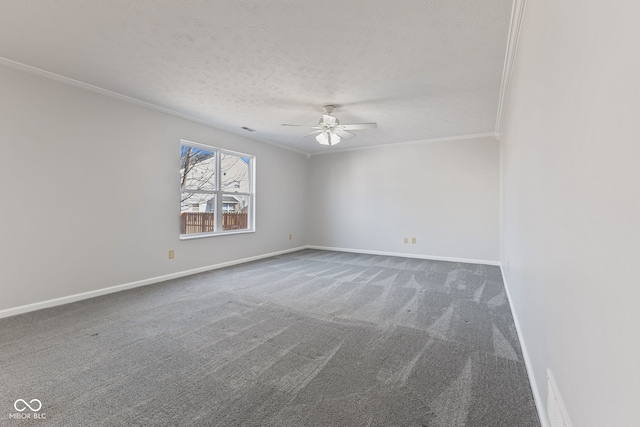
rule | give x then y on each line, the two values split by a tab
311	338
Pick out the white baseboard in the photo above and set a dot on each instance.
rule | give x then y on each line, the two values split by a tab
104	291
539	401
557	412
407	255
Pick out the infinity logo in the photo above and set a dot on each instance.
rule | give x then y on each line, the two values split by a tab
26	405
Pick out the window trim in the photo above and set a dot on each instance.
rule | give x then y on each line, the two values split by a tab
219	193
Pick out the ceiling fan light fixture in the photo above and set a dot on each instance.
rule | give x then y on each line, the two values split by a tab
328	138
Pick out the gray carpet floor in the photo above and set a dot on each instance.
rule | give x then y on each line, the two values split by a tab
311	338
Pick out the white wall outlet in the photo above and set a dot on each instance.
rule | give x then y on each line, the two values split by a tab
405	240
413	240
172	254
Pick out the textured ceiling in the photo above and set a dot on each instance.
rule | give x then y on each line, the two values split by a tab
421	69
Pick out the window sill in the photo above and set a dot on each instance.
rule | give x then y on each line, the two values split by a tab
221	233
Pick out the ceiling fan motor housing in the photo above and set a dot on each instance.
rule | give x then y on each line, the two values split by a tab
328	108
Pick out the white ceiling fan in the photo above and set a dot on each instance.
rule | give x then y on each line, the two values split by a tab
329	129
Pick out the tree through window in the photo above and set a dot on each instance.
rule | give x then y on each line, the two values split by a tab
216	190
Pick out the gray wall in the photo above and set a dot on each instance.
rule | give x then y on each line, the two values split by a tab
90	193
571	204
446	194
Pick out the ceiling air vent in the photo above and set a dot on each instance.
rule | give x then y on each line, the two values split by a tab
248	129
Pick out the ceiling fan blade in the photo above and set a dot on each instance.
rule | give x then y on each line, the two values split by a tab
344	134
312	133
358	126
303	126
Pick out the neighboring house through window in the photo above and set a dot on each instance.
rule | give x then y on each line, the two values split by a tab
216	190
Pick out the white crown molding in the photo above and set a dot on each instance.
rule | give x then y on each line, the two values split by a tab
116	95
284	147
517	16
421	141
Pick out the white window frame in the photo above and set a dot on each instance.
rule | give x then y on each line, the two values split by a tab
219	193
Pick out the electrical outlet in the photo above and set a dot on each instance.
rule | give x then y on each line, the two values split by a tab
290	236
172	254
405	240
413	240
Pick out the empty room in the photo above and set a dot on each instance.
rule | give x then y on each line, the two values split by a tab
294	213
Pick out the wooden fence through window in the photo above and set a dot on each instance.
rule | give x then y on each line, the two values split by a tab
203	222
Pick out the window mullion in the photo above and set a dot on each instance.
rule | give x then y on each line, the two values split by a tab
235	193
218	215
198	191
252	191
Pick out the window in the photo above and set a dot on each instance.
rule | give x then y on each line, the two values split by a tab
216	191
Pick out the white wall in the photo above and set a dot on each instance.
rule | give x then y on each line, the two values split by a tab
90	193
571	204
443	193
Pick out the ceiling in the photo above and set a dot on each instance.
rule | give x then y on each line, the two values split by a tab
420	69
